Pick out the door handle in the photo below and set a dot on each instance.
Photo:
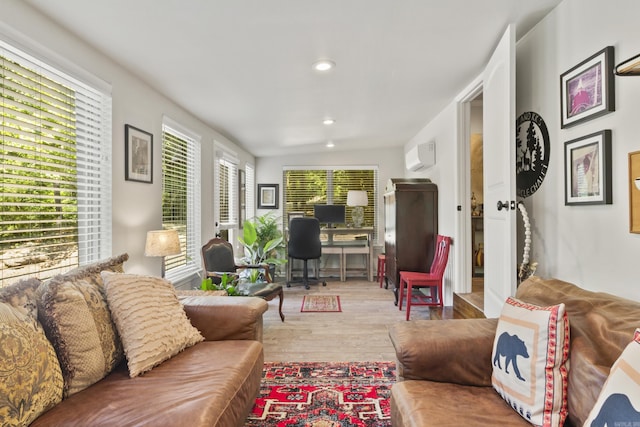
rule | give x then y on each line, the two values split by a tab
506	205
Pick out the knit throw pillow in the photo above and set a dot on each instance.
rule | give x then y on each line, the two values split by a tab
530	365
150	319
619	401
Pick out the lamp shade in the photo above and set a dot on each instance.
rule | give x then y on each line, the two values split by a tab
162	243
357	198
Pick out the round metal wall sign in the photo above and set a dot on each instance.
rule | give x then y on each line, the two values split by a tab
532	153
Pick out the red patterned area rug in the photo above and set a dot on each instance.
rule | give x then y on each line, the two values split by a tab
306	394
321	304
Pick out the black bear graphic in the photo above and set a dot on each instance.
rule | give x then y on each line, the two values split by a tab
510	346
617	411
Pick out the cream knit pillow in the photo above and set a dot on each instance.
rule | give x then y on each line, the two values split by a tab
150	320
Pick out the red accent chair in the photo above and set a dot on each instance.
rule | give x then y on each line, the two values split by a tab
433	279
381	267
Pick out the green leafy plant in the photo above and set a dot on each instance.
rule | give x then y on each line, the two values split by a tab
228	283
254	275
263	242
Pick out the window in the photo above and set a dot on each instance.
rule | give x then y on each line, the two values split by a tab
181	197
227	191
55	169
304	188
250	191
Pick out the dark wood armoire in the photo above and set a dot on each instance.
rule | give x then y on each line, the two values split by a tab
411	227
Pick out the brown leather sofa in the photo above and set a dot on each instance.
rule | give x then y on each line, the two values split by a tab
444	367
212	383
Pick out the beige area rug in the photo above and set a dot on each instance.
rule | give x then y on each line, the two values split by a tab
321	304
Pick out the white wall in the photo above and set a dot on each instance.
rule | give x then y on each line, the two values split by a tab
591	245
390	163
136	206
442	129
587	245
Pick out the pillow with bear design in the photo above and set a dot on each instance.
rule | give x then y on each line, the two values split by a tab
619	401
529	358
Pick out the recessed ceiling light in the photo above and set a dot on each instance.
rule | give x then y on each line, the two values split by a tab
330	144
323	65
328	121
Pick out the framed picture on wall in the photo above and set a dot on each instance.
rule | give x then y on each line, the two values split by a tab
587	90
267	196
138	155
587	169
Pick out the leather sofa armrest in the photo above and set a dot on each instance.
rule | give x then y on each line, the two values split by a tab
226	318
456	351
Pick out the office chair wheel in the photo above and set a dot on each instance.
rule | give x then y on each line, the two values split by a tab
324	283
288	285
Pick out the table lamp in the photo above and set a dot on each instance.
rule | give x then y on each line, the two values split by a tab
162	243
357	199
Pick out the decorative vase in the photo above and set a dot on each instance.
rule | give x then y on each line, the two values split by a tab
480	255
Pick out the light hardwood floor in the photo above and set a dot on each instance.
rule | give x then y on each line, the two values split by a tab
359	333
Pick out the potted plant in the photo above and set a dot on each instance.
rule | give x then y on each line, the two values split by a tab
263	242
228	283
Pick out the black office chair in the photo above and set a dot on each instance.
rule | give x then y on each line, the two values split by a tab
304	244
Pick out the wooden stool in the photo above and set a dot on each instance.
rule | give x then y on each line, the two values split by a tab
382	261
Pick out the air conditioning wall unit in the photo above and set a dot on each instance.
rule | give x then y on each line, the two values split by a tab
421	156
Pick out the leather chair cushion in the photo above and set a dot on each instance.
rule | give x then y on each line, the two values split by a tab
419	403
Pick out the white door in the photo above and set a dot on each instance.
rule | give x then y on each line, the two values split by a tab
499	77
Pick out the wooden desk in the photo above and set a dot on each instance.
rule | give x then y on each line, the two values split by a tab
348	239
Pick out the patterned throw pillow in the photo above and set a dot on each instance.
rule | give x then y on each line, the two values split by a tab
529	358
30	376
619	401
150	319
74	313
23	296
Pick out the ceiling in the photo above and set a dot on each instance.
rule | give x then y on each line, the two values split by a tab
244	67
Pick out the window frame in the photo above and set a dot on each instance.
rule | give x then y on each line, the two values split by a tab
92	140
330	179
189	259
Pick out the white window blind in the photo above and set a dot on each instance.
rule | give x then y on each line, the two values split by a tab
181	197
250	191
304	188
55	169
227	190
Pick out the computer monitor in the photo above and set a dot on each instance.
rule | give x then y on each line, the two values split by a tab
330	214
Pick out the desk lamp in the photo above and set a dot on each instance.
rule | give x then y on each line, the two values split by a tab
357	199
162	243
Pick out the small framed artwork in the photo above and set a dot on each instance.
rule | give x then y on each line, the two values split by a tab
267	196
634	192
587	90
587	170
138	155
